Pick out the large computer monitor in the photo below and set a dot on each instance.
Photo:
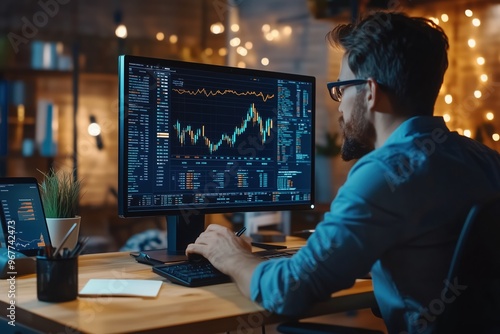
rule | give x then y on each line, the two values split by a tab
198	138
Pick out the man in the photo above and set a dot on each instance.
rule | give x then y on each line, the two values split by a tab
401	208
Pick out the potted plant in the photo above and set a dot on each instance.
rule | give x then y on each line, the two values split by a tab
60	194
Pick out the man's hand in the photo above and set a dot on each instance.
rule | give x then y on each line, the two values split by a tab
230	254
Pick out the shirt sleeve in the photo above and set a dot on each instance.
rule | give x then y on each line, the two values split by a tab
360	226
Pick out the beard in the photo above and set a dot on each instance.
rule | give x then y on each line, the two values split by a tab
359	133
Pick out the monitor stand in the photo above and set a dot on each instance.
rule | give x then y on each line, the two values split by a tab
181	231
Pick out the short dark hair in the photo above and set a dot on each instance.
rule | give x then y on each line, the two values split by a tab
406	55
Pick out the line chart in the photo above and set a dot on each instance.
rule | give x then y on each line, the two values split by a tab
29	244
209	93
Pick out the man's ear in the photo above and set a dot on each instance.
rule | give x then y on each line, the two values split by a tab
372	94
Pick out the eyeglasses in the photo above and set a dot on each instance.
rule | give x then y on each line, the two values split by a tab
336	88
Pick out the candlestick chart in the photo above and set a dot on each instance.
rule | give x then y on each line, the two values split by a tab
228	118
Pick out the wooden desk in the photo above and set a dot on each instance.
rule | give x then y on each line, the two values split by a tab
211	309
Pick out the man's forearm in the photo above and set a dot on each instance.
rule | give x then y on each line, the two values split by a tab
241	270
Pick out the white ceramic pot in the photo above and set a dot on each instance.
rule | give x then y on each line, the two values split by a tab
58	227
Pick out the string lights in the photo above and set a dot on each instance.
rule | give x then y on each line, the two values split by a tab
472	100
467	85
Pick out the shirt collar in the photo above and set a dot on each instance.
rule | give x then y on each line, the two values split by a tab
416	125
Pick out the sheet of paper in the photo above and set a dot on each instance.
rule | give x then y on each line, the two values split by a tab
121	287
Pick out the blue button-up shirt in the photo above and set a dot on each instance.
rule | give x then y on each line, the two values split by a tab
398	215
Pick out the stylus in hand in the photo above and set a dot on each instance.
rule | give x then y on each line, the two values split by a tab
241	231
258	244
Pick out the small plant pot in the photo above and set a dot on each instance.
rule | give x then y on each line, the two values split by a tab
58	227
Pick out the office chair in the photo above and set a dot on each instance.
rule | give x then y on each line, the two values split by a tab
473	281
472	288
298	327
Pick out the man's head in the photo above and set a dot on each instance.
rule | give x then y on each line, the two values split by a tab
405	57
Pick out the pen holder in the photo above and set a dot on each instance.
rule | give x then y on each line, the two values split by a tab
56	279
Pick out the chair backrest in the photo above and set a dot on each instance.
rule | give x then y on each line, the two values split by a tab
471	298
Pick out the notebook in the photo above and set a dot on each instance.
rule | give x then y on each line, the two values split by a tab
24	228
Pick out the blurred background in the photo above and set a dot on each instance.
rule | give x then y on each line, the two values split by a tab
60	57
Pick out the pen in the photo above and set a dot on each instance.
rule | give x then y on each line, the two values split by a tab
82	242
66	237
241	231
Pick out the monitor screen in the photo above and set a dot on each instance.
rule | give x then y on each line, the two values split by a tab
198	138
22	217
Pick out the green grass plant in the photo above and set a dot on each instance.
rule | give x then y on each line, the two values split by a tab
60	194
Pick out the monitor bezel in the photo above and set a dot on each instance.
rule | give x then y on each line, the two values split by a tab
189	209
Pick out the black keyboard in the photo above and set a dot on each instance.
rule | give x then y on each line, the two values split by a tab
203	273
191	273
